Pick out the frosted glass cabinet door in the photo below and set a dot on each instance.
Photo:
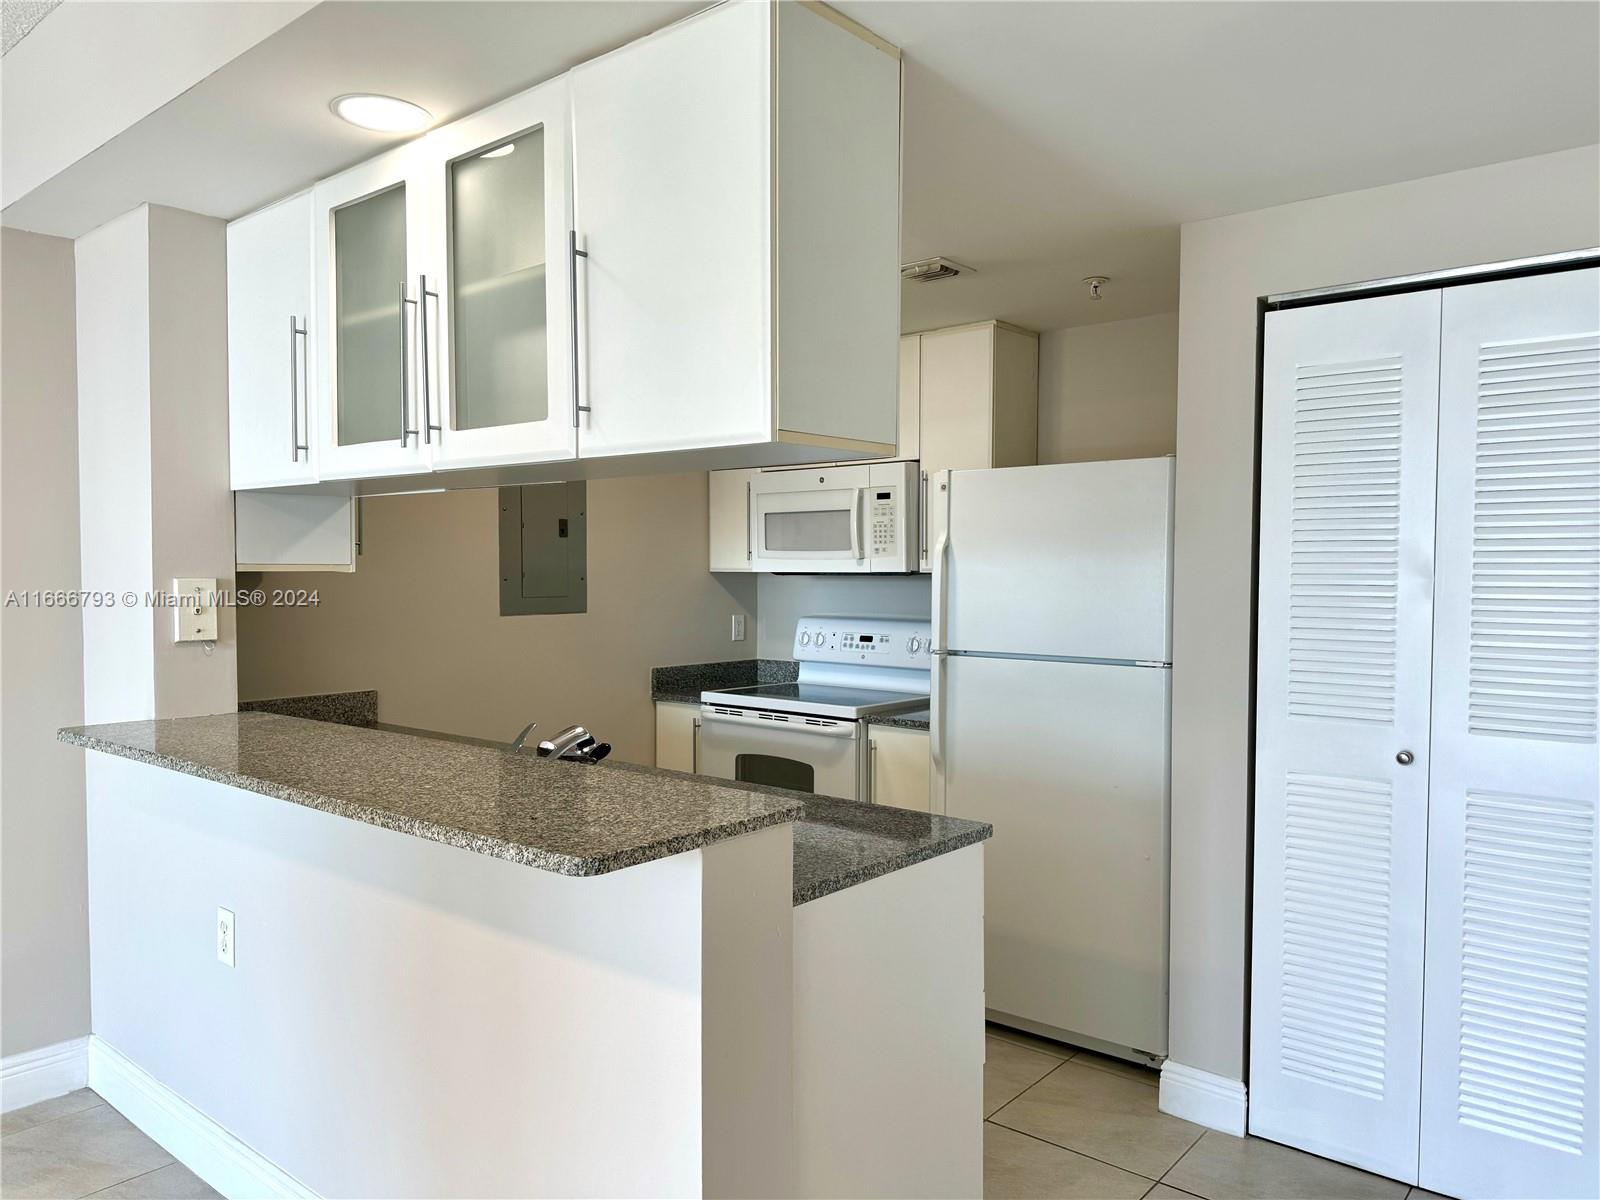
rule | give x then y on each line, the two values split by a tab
368	222
498	377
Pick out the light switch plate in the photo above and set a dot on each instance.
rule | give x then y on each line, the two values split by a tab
738	627
195	616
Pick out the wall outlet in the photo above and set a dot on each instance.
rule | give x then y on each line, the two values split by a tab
738	627
224	937
195	613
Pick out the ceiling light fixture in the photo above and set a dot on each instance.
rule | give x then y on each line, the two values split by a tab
381	114
499	151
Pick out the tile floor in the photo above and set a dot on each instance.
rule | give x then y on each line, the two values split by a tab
1070	1124
78	1145
1059	1122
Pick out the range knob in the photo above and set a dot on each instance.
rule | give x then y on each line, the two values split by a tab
914	644
819	636
805	639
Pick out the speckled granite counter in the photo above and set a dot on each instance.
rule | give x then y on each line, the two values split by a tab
561	817
840	843
916	718
683	684
342	708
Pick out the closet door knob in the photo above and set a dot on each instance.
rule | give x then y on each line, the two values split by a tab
1405	758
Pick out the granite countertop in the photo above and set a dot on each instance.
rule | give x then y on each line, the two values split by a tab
343	708
915	718
563	817
840	843
683	684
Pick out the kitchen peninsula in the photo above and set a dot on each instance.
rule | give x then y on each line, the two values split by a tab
464	971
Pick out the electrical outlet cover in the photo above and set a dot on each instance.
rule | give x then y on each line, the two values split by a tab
225	937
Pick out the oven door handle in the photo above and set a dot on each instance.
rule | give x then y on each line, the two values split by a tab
797	724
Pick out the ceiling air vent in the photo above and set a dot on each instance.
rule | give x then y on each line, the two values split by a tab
931	269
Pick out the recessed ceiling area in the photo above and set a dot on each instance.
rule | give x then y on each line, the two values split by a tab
1049	141
1044	142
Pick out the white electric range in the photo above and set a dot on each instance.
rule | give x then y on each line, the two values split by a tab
810	735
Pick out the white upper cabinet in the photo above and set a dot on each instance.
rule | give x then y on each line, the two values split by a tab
689	247
736	204
499	329
270	332
370	238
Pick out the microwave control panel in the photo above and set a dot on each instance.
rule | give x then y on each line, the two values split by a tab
883	508
881	641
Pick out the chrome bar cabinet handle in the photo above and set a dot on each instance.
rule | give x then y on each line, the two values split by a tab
573	255
406	432
428	427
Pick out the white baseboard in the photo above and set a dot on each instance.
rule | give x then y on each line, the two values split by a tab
185	1132
1214	1101
43	1074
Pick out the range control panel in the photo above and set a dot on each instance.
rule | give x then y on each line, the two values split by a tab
880	641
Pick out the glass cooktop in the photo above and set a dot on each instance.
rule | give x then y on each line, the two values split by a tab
817	699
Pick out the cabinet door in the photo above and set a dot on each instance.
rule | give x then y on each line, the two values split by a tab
1511	1023
1350	400
672	195
956	392
677	736
897	767
497	387
728	504
270	407
369	231
910	409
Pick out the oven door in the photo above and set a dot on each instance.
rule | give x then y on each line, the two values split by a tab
789	750
810	520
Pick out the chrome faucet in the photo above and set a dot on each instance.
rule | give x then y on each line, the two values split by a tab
521	738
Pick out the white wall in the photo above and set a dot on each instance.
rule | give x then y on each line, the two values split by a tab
406	1018
1532	206
1109	390
44	946
420	621
153	458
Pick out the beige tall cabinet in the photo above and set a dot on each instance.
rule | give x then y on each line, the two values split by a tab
977	397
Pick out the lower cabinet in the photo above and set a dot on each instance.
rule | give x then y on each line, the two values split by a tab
898	768
677	736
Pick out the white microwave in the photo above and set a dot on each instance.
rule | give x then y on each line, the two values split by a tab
845	520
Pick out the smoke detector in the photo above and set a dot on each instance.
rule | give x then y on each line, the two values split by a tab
931	269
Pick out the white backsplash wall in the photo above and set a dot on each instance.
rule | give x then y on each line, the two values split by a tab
781	600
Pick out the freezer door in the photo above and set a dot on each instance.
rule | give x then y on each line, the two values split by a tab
1068	761
1070	561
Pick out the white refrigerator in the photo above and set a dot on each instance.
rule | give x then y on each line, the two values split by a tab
1050	719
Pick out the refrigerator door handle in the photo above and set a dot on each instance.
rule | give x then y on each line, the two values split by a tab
941	552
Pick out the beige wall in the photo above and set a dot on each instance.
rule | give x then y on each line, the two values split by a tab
44	949
1533	206
419	620
1109	390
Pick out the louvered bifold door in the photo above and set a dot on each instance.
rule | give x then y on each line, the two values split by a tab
1512	1014
1350	396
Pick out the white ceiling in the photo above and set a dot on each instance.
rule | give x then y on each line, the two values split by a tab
259	128
1049	141
1044	141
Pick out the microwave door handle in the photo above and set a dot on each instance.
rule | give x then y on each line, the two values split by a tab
855	525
